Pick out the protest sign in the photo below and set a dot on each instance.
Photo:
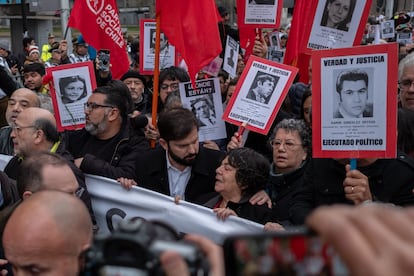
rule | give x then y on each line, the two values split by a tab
260	13
336	24
259	94
387	29
354	102
231	55
147	48
112	203
70	88
205	102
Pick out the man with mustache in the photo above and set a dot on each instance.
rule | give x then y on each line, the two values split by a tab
180	167
108	145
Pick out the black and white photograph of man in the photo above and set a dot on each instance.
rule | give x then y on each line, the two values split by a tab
203	108
352	88
262	87
164	45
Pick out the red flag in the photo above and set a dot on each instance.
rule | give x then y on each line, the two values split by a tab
191	26
99	24
301	17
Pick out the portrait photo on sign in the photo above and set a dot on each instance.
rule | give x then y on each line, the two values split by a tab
147	48
336	24
72	86
337	14
259	94
354	102
203	109
353	97
387	29
262	87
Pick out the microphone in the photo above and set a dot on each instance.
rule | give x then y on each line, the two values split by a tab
139	121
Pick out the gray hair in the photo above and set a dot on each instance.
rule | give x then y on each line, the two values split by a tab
408	60
298	125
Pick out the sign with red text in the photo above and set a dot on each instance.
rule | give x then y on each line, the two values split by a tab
354	102
336	24
259	94
70	88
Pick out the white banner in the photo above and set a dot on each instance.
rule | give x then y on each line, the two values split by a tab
112	203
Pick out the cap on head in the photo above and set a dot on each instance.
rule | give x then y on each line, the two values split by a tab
33	49
81	41
54	47
133	74
50	35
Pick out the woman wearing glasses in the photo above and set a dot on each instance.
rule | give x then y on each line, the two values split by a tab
291	143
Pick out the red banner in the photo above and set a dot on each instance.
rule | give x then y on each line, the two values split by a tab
99	24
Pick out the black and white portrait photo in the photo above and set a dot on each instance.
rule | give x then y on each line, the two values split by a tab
203	109
352	87
262	87
338	14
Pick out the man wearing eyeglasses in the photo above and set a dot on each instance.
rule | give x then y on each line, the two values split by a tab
34	131
405	81
108	145
21	99
352	87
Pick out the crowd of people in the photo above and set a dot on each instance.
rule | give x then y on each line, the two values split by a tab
270	179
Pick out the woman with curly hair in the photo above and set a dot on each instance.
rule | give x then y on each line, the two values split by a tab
242	173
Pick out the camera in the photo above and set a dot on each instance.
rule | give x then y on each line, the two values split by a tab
104	56
134	248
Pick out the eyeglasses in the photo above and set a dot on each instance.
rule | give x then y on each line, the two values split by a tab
287	144
92	106
173	86
405	84
17	128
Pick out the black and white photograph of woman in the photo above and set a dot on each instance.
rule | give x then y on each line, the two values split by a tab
72	89
338	14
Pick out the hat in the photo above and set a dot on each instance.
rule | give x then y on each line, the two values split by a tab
81	41
50	35
135	75
55	46
33	49
222	11
35	67
3	46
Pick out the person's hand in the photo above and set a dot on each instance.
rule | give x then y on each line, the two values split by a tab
14	69
151	133
356	186
260	198
371	239
3	262
223	213
63	47
127	183
174	265
236	142
78	161
211	145
260	47
177	199
273	226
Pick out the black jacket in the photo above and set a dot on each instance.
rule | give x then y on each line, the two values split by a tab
151	173
281	188
122	164
390	181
